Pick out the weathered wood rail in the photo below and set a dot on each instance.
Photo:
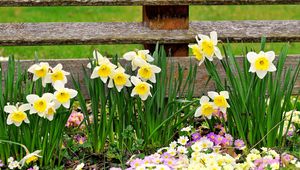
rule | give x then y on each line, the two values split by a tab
164	21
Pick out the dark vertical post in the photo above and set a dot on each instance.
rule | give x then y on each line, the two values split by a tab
167	17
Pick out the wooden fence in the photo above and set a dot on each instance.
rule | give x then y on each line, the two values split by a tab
164	21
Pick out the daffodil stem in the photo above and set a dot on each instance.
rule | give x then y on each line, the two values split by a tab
15	143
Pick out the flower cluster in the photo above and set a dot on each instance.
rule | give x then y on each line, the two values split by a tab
217	106
47	104
291	123
105	70
75	119
215	150
28	159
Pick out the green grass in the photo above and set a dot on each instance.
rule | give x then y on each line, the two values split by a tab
131	14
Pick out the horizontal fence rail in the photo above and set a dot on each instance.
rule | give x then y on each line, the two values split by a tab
141	2
74	66
131	33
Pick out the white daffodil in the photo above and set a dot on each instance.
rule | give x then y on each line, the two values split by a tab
79	167
119	78
40	71
138	58
141	88
30	157
63	95
39	105
98	58
51	110
147	72
261	63
104	71
57	74
197	52
17	114
220	100
208	45
206	109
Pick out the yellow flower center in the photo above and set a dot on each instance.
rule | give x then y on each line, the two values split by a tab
142	55
207	109
40	105
51	111
208	47
145	72
262	63
57	75
41	72
63	96
220	101
18	116
196	52
31	159
120	79
104	70
142	88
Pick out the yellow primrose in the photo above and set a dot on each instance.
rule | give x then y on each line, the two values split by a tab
138	58
39	105
17	114
30	157
147	72
40	71
206	109
220	100
62	95
197	52
141	88
119	78
261	63
208	45
104	71
57	74
97	58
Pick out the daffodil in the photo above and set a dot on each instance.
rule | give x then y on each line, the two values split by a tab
40	105
220	100
147	72
104	71
17	114
30	157
141	88
62	95
57	74
261	63
206	109
208	45
119	78
197	52
138	58
98	58
51	110
40	71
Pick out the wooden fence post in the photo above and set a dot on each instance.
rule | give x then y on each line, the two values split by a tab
167	17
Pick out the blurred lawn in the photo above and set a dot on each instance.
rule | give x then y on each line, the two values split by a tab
132	14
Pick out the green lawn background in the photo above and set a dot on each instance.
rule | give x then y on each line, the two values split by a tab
133	14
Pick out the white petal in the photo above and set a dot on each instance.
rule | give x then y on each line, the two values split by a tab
214	37
218	53
58	67
252	69
24	107
67	104
119	88
139	62
251	56
32	68
59	85
128	83
270	55
153	79
133	93
26	120
32	111
149	58
9	121
210	58
201	61
204	99
144	97
73	93
272	67
135	80
48	97
129	55
155	69
32	97
198	112
10	109
261	74
110	83
104	79
225	94
223	109
203	37
212	94
18	123
97	55
95	72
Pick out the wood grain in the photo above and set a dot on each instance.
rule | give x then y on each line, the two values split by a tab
130	33
75	67
140	2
